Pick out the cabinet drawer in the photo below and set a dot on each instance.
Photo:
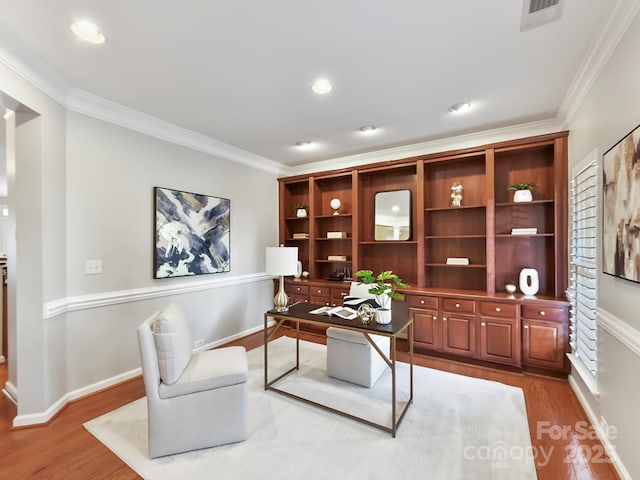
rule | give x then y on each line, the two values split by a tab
457	305
544	312
422	301
326	301
338	294
320	291
297	289
496	309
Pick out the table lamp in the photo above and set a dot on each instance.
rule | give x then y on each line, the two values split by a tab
281	261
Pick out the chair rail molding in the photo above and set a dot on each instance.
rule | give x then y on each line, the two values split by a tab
82	302
621	330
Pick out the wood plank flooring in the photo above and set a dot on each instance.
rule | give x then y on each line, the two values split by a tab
63	449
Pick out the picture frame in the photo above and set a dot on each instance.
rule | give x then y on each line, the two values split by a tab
192	233
621	208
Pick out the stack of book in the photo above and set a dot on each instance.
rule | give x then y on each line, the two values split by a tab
524	231
337	258
336	234
300	236
457	261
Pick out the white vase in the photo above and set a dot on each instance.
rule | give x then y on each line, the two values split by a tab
522	196
529	283
298	270
301	212
383	316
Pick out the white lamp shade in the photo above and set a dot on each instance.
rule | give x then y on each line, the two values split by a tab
281	260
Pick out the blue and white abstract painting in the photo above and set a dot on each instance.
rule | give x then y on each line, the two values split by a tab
192	233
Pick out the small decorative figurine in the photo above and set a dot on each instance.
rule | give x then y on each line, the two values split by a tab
456	195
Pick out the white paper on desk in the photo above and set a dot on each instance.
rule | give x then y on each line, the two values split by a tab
342	312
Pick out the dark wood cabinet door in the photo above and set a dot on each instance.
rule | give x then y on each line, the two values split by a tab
500	340
426	328
542	344
459	334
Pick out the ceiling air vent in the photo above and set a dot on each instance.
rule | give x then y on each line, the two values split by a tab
540	12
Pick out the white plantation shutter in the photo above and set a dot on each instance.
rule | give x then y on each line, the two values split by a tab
582	269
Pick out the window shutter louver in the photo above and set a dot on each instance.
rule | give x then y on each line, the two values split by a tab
582	269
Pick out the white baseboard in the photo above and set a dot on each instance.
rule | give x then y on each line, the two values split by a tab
39	418
43	417
604	438
11	392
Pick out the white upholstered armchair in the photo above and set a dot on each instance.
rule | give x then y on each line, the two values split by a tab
195	399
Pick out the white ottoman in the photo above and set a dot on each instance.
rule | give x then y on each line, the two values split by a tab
350	357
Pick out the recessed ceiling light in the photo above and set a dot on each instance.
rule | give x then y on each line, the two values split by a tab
87	31
304	145
460	107
321	86
368	129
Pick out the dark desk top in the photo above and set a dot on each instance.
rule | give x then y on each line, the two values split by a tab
400	318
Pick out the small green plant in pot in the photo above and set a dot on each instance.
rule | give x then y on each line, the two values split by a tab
384	287
522	191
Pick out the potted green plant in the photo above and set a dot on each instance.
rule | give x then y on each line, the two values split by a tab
384	288
522	191
301	210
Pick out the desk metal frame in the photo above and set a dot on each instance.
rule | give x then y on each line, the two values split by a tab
300	314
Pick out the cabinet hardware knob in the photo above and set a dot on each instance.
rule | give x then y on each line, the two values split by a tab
343	293
435	317
457	305
483	324
422	302
498	309
444	319
319	291
542	313
526	327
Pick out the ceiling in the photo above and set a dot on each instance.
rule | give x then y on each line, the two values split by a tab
240	72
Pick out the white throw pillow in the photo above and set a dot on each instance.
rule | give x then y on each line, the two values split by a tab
172	337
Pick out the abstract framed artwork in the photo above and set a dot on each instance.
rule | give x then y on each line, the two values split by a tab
191	233
621	208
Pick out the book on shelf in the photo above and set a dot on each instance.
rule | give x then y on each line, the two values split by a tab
300	236
339	311
337	258
336	234
524	231
457	261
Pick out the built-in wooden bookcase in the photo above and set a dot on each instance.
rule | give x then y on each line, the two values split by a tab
328	222
480	229
530	163
455	232
292	194
376	255
458	310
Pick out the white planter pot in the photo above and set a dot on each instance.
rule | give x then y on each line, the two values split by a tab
383	316
522	196
301	212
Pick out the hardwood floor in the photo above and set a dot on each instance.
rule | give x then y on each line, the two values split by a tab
63	449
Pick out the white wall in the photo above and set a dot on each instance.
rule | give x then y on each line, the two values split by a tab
111	172
609	112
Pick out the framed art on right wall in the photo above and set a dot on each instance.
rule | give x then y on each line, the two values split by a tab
621	208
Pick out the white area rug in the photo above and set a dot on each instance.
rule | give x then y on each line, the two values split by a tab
457	428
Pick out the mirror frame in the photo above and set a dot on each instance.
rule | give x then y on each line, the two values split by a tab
378	211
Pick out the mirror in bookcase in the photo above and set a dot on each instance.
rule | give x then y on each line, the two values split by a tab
392	216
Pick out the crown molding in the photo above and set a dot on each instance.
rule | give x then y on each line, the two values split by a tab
593	64
450	143
97	107
15	56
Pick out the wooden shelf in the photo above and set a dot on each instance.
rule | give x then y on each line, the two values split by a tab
342	215
453	237
523	204
445	265
449	209
527	235
333	261
390	242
